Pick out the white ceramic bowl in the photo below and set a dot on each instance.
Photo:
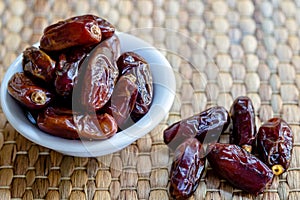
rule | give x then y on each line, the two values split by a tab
164	93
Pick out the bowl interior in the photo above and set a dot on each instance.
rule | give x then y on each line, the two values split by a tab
164	93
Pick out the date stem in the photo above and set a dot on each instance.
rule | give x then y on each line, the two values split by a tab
39	97
277	169
247	148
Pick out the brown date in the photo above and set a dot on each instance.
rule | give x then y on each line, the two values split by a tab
97	76
38	65
66	124
206	127
275	143
28	93
67	68
240	168
132	63
76	31
123	100
243	123
107	29
187	169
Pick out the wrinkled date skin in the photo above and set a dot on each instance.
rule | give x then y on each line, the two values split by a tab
132	63
97	77
239	167
38	64
123	100
187	169
76	31
97	127
28	93
66	124
107	29
206	127
243	122
67	68
275	143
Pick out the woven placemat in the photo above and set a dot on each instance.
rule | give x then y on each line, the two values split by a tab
219	49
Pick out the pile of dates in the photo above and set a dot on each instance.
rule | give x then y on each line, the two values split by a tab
250	160
77	84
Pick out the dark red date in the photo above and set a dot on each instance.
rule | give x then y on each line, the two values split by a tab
187	169
97	76
76	31
240	168
66	124
243	123
28	93
206	127
132	63
67	68
38	65
123	100
275	143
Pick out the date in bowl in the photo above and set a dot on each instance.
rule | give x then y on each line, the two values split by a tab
163	97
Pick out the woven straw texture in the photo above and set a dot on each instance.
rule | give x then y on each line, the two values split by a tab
243	47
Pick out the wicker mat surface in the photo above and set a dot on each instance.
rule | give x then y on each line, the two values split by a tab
219	49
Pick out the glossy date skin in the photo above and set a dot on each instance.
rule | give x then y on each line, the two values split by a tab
28	93
206	127
275	143
243	123
97	76
67	124
76	31
67	68
38	65
123	100
240	168
132	63
107	29
187	169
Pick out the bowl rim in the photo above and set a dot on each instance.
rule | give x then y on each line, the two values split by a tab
85	148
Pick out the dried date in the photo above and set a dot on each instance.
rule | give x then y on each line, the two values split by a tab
123	100
132	63
240	168
187	169
243	123
275	143
38	65
67	124
107	29
97	76
28	93
67	68
206	127
76	31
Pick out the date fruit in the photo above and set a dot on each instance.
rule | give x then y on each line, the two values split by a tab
67	68
98	75
240	168
206	127
38	64
66	124
28	93
123	100
187	169
275	143
76	31
243	122
58	122
132	63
